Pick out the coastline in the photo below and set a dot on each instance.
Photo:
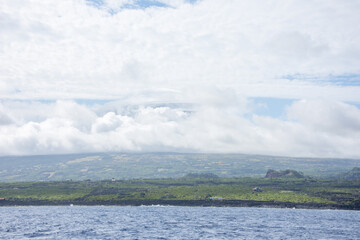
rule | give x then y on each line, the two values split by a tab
188	203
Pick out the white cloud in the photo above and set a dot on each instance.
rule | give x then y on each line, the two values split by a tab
108	122
70	49
328	117
4	119
179	76
314	128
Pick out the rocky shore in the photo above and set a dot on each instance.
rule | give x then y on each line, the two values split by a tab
190	203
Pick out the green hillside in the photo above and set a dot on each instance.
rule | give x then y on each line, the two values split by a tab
99	166
353	174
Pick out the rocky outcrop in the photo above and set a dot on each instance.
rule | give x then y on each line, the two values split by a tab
285	173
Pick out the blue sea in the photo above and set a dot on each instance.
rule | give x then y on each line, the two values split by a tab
166	222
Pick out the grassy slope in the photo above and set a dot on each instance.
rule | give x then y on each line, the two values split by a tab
159	165
279	190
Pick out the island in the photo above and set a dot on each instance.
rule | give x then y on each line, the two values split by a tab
289	189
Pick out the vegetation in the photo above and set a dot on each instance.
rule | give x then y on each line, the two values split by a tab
201	175
327	192
100	166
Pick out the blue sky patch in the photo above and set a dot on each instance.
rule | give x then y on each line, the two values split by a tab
95	3
345	80
272	107
136	4
339	80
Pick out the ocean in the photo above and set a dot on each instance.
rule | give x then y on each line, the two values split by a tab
167	222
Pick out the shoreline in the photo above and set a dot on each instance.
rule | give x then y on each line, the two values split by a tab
187	203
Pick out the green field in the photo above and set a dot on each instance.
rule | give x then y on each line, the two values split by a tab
302	190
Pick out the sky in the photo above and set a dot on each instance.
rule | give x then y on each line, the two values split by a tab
272	77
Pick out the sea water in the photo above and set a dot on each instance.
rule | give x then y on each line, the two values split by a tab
166	222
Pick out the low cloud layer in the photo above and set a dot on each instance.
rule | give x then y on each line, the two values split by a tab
314	128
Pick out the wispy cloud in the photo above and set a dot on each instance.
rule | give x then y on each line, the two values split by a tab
70	49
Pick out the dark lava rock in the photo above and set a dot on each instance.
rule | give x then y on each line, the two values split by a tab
285	173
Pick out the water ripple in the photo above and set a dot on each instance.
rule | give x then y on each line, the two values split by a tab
110	222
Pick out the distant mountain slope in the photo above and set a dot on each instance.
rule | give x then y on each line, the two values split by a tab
97	166
353	174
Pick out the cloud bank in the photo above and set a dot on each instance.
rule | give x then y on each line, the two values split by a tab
311	128
138	75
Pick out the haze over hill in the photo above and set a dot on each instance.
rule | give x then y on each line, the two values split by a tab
159	165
